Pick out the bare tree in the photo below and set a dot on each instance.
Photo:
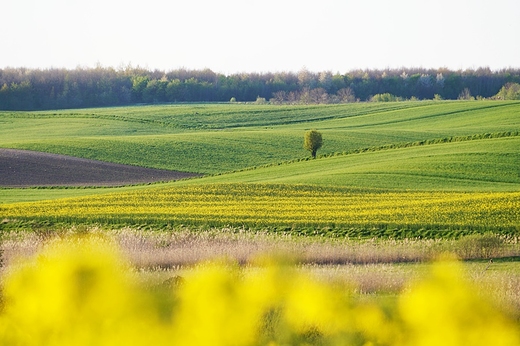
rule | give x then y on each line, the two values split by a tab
318	95
465	95
279	97
346	95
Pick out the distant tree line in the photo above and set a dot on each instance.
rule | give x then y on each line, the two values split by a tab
35	89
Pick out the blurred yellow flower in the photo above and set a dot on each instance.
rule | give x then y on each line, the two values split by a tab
445	310
77	291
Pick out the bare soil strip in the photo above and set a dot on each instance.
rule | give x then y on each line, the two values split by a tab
24	168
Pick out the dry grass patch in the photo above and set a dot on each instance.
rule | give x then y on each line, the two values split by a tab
162	249
372	266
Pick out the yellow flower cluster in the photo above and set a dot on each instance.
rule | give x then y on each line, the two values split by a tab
79	292
253	205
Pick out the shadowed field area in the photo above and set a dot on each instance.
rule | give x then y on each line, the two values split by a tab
23	168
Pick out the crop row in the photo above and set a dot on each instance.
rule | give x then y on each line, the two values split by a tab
283	206
218	116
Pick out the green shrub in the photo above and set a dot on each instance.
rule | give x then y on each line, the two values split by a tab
386	97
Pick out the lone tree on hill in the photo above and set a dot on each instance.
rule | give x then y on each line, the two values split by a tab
312	142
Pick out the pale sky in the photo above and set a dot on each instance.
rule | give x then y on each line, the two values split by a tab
231	36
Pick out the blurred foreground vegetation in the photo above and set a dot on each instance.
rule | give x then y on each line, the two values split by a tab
80	291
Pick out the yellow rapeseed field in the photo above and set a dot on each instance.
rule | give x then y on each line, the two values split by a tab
265	205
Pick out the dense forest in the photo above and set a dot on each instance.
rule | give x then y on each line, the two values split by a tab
35	89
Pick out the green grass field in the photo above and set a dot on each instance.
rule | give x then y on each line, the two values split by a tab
480	165
222	138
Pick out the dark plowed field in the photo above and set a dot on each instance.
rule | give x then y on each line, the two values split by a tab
23	168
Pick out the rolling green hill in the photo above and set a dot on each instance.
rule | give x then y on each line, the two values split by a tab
222	137
476	165
490	164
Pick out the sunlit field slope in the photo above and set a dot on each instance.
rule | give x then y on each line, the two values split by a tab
479	165
491	164
224	137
